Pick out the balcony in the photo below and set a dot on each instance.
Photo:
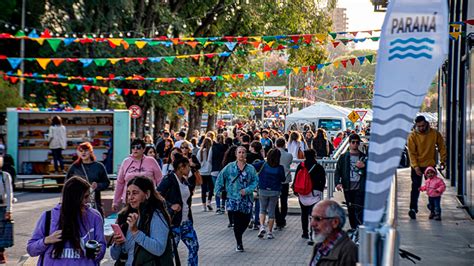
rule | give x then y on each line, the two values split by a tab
380	5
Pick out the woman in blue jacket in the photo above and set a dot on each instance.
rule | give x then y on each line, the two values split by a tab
240	181
270	176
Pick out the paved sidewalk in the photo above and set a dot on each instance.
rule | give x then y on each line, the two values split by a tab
446	242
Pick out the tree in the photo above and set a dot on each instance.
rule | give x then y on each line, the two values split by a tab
10	96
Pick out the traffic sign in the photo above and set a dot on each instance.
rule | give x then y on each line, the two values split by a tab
268	113
361	113
354	116
277	114
135	111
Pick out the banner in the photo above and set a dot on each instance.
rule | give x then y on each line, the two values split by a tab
413	45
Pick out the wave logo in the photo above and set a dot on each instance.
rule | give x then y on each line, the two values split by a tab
411	48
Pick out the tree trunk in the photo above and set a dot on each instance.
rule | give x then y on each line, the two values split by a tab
174	123
160	117
194	116
98	100
211	122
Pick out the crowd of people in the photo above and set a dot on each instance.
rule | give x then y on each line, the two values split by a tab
244	174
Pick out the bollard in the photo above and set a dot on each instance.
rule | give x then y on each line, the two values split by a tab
390	248
367	247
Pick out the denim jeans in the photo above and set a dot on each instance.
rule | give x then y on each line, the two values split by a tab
57	159
434	205
219	202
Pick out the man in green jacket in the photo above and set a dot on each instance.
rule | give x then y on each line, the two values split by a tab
350	175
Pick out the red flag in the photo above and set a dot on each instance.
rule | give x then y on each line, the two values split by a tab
344	63
353	60
335	44
304	69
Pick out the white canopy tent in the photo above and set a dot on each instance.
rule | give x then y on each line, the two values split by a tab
312	113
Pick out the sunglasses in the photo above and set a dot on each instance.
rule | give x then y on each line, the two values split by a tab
355	142
320	218
137	146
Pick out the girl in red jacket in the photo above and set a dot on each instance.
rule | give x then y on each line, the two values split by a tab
434	187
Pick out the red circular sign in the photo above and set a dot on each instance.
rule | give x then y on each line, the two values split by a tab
135	111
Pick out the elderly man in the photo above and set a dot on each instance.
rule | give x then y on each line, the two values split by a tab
333	246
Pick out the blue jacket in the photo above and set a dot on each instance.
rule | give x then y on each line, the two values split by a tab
270	178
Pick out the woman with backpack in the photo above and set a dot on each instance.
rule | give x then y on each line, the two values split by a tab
63	233
145	226
310	179
270	176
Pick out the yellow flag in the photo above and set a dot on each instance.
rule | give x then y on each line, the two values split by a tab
158	80
296	70
336	64
39	40
455	35
258	39
140	44
115	41
192	79
113	60
99	77
43	62
253	52
141	92
182	56
103	89
226	77
261	75
64	84
456	26
321	37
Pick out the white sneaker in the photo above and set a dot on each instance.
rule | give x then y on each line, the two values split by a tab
262	232
270	235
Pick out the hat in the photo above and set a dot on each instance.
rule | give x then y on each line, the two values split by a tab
354	137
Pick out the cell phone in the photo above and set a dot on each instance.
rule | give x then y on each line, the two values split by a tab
117	230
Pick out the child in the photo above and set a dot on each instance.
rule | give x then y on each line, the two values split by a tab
434	187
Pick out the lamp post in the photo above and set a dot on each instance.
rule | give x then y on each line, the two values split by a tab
22	48
263	92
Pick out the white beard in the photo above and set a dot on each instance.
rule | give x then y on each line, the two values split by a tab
319	238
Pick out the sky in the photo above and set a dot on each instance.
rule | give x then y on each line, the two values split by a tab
361	16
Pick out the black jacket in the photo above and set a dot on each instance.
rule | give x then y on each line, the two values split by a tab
318	175
218	151
169	189
342	174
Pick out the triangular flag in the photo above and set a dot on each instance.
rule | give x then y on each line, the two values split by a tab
114	60
202	41
230	45
141	92
370	57
192	79
54	43
57	61
169	59
296	70
114	42
85	61
455	35
344	63
14	61
469	21
192	44
260	75
335	44
33	34
100	62
140	44
352	60
336	64
20	33
456	26
68	41
333	34
361	59
43	62
104	89
39	40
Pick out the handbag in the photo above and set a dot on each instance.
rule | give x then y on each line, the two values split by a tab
300	154
198	177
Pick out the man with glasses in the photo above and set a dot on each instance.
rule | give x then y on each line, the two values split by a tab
333	246
350	176
422	144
